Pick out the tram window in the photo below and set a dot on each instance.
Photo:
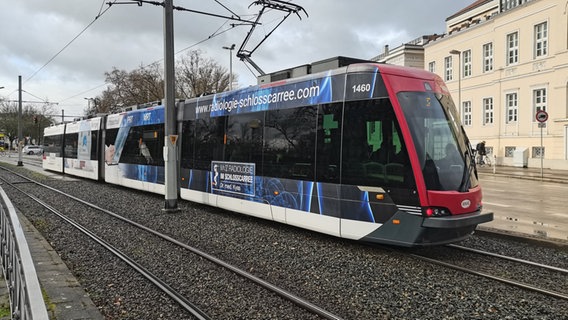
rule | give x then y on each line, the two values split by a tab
87	138
289	148
329	142
94	145
144	145
374	152
110	138
188	145
71	140
438	139
209	137
243	142
53	144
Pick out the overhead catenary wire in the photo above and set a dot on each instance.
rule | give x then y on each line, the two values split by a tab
101	12
211	36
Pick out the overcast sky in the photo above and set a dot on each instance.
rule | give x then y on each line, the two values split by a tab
127	36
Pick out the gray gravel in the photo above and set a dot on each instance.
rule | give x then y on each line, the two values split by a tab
350	279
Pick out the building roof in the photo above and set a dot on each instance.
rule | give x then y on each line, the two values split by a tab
472	6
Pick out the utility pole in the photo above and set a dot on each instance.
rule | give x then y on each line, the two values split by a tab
170	147
231	48
20	138
170	152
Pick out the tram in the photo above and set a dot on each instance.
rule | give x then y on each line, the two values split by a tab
370	152
73	148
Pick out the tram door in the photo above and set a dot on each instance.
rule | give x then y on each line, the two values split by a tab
374	154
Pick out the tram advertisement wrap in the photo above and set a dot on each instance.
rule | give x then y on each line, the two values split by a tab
292	95
137	118
233	177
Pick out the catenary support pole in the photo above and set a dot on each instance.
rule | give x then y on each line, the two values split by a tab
170	147
20	138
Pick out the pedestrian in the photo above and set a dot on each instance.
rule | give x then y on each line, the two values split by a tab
480	148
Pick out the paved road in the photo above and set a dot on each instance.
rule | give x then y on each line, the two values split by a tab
532	207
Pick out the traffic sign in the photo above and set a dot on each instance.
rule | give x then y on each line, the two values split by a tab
541	116
173	138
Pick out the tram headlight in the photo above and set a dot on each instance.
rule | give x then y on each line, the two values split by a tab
435	211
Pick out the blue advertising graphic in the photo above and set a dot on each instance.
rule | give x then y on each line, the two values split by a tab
307	196
154	174
287	95
233	177
132	119
261	98
84	147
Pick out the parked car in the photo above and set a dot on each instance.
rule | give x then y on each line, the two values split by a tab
31	149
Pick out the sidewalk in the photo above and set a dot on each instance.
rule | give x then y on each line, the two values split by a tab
66	297
548	175
528	222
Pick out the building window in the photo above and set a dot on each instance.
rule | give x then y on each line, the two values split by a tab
488	57
487	111
509	151
540	40
448	68
432	66
466	107
538	152
466	63
512	48
539	101
512	107
510	4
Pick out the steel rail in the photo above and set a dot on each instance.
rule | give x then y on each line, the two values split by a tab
265	284
175	295
496	255
489	276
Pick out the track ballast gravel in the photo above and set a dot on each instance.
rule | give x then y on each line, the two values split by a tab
352	280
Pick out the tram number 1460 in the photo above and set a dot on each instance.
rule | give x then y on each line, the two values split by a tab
365	87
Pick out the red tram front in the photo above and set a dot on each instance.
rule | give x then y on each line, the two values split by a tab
446	206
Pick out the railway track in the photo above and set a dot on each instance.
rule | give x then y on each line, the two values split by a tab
179	296
502	268
347	278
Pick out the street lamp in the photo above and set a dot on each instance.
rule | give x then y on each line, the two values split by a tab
231	48
459	78
89	103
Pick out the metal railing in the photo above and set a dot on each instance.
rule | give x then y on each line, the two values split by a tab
26	300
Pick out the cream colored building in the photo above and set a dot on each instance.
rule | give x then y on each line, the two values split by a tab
410	54
504	61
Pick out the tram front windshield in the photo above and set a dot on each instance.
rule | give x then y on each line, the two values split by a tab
441	145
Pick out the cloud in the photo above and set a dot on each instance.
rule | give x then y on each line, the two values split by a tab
127	36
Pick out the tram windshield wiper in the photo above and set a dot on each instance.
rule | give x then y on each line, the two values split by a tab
467	173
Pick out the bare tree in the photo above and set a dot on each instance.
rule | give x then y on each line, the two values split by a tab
142	85
196	75
33	121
